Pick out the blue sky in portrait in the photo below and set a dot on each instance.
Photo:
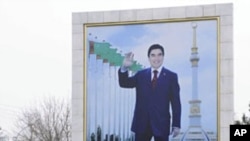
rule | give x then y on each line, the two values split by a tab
177	39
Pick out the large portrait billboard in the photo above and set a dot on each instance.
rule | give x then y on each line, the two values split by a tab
196	48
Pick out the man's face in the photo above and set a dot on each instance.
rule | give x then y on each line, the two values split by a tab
156	58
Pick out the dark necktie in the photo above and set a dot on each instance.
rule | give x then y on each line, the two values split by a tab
154	80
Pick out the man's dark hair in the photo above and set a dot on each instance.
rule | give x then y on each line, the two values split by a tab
155	46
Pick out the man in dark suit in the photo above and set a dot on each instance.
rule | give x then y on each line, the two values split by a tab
156	89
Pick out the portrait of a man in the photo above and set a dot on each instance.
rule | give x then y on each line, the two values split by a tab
156	88
149	81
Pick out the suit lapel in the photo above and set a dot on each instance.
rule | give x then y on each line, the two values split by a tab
163	75
148	76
